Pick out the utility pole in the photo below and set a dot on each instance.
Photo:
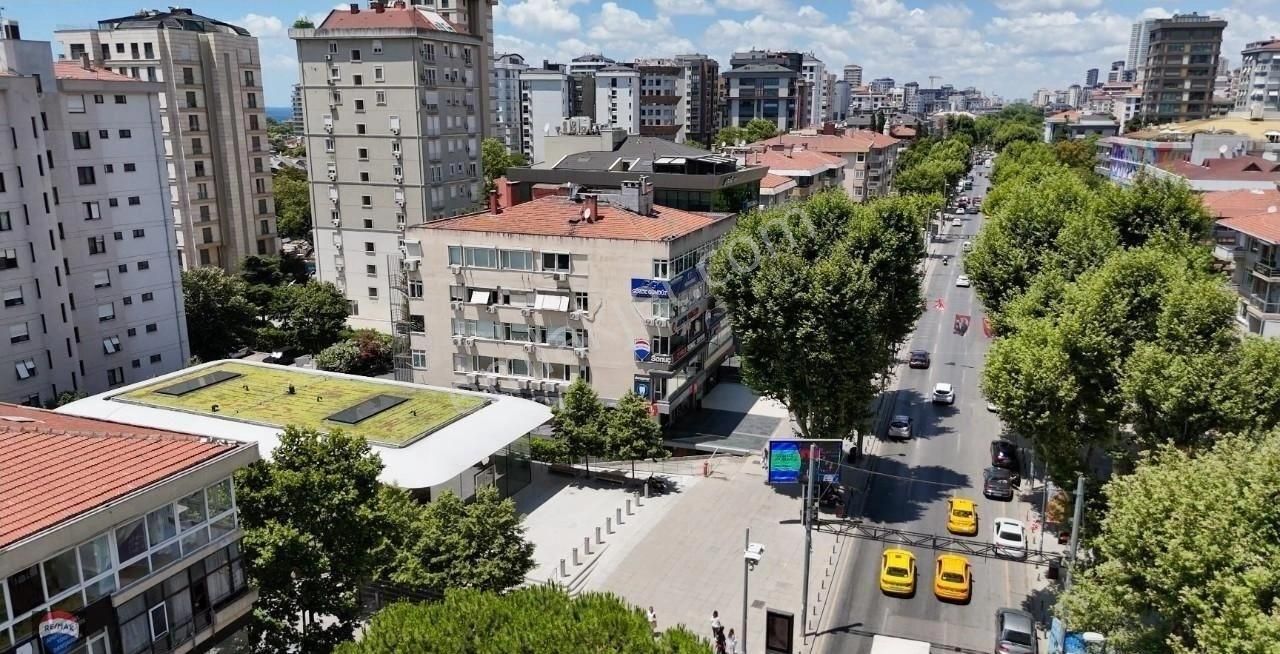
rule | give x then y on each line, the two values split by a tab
1075	529
808	541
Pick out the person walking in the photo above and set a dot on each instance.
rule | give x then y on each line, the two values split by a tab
717	629
731	643
653	621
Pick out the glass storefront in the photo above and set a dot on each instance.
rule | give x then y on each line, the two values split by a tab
175	610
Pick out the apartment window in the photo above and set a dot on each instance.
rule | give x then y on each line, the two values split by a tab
119	236
206	235
115	377
120	99
101	278
127	300
359	105
106	312
188	76
5	223
360	128
155	358
199	169
151	328
104	134
368	247
661	267
111	344
581	302
86	175
26	368
126	133
515	259
148	296
253	122
357	80
362	154
13	297
373	292
418	358
377	46
415	288
191	100
353	308
135	200
328	145
97	245
366	201
333	47
80	140
129	168
19	333
555	262
197	146
380	97
109	168
377	73
248	78
355	55
193	123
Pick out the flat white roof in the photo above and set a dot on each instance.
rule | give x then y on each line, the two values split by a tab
430	461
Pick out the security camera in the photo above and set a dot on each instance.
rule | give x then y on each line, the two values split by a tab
753	554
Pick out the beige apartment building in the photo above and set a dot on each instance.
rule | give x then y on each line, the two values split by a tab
869	156
213	121
525	299
395	108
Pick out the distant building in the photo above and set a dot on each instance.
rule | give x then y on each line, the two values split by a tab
544	104
505	89
618	98
1116	74
295	101
1091	78
815	76
840	103
590	63
1075	96
1139	44
664	99
810	171
881	84
1071	125
853	75
1247	236
766	85
1258	85
869	156
702	100
1185	47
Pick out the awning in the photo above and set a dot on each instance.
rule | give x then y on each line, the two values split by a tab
479	297
551	302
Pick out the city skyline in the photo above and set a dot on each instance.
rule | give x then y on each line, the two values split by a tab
1005	47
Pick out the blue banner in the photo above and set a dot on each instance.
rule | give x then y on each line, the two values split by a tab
684	280
785	462
650	288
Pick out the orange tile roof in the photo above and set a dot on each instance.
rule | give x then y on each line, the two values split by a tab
902	132
71	69
408	17
853	140
1233	204
57	466
1245	168
794	159
773	181
550	216
1264	226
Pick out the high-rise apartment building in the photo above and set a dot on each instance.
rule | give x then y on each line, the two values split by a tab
544	104
882	84
588	63
664	98
1139	41
1177	81
766	85
88	265
853	75
1258	80
295	103
702	102
911	97
815	75
1116	72
840	100
618	98
1091	78
213	121
505	90
396	107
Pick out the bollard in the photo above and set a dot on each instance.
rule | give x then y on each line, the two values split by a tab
823	585
598	539
586	545
608	525
628	506
618	513
563	572
575	557
646	490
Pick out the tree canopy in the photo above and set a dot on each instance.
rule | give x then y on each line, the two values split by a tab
827	285
756	129
932	166
535	619
220	318
366	352
1185	560
496	159
293	202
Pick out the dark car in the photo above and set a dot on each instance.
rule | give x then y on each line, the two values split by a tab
998	483
973	208
1015	632
918	359
1005	455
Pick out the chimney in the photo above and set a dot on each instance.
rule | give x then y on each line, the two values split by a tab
637	196
378	7
355	7
84	61
494	206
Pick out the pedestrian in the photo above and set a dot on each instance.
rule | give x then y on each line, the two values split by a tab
731	643
653	621
717	629
721	645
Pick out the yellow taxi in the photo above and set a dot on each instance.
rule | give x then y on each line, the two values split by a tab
952	580
898	572
962	517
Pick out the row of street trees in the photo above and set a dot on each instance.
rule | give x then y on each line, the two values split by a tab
933	166
1117	340
583	428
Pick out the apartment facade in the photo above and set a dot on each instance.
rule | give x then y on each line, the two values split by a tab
607	288
505	90
88	267
1258	80
213	118
853	75
1180	65
545	97
664	99
395	111
1250	239
133	558
702	98
870	157
808	171
618	98
1139	43
766	85
815	76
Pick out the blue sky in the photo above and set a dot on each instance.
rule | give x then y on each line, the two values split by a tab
1009	47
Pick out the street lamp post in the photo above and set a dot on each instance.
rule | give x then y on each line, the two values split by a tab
750	557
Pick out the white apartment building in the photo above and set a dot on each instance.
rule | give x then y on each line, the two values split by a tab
1139	44
214	123
618	98
88	267
815	73
396	104
664	98
588	64
1258	80
297	117
853	75
505	90
544	104
525	299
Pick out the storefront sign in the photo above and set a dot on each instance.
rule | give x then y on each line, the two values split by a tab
643	386
642	350
650	288
59	632
684	280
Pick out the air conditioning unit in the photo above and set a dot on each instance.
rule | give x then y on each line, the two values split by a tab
328	57
337	222
650	321
395	153
333	199
328	127
400	202
456	305
332	81
490	380
398	178
395	130
580	351
491	308
661	322
577	314
471	340
522	383
333	175
455	268
530	347
412	264
562	277
457	339
339	265
337	245
526	311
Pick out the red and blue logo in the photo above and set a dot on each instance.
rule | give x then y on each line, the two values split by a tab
59	632
642	350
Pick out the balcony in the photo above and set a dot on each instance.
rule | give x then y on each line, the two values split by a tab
1267	271
1261	305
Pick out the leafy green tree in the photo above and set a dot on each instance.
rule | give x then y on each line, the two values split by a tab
313	527
1185	560
759	129
303	23
367	352
454	544
631	433
1243	401
826	286
731	135
534	619
292	192
496	159
579	422
220	317
312	316
339	357
1080	154
67	397
1152	208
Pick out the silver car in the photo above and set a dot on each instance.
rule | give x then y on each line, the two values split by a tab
900	427
1015	632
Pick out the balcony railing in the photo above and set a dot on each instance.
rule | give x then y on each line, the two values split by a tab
1270	271
1262	305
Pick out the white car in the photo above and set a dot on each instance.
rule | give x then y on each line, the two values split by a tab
955	222
991	406
962	281
959	211
1010	538
943	393
900	427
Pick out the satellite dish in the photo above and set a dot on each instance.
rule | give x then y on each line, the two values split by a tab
546	129
586	214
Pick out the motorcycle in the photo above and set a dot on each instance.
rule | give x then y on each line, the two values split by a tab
946	261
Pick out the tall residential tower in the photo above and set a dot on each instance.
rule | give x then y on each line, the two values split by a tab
1177	80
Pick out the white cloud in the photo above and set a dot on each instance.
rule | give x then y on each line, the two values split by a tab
1062	33
809	12
770	7
683	7
1046	5
263	27
533	16
629	36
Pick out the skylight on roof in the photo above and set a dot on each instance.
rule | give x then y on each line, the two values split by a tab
367	409
197	383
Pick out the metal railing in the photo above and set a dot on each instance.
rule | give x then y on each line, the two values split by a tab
1266	270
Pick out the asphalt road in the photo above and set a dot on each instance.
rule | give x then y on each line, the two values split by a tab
946	458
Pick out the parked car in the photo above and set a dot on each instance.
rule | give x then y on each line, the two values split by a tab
963	281
1005	455
1010	538
900	427
944	393
966	246
918	359
997	483
1015	632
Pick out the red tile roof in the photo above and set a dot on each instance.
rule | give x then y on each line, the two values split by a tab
551	215
408	17
853	140
1244	168
56	467
773	181
1264	226
1233	204
1064	116
69	69
902	132
794	159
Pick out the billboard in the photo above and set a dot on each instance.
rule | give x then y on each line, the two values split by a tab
789	459
650	288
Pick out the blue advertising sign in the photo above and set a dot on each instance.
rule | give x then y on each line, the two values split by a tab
59	632
650	288
684	280
784	462
789	459
642	350
642	385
